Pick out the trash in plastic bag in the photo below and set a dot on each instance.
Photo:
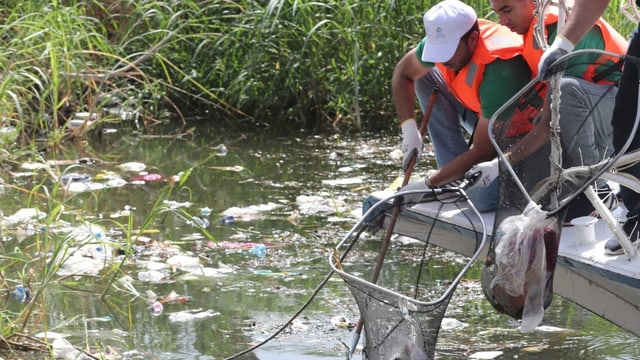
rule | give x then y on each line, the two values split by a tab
521	263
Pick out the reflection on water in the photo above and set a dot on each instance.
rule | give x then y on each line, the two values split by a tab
297	196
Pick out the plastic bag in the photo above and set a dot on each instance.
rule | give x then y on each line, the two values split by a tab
521	262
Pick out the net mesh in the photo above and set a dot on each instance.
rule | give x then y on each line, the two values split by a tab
403	310
544	175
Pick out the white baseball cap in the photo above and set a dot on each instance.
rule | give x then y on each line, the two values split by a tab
445	24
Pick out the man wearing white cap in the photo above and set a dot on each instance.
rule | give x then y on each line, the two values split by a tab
477	66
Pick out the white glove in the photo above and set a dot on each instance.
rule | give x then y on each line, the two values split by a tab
411	142
415	185
482	174
561	46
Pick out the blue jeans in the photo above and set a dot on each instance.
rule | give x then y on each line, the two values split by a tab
585	122
449	126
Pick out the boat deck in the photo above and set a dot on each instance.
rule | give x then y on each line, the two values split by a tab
609	286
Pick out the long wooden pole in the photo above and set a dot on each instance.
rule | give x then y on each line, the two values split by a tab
397	205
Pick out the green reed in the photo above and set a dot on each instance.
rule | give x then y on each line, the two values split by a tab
285	64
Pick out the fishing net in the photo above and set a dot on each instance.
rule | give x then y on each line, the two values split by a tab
403	309
539	190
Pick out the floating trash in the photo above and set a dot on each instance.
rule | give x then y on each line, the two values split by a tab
339	182
34	166
227	220
106	318
157	308
150	276
221	150
189	315
236	168
174	298
63	349
202	222
175	204
87	232
21	294
259	250
251	212
132	166
8	134
151	297
342	322
78	187
75	177
24	215
485	355
147	178
77	123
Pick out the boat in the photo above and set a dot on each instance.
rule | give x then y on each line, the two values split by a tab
608	286
571	264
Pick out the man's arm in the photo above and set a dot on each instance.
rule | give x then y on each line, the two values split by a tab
407	71
583	16
480	151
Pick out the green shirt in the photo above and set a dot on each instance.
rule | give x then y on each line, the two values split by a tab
577	65
502	79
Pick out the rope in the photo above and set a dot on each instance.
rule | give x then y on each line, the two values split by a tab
297	313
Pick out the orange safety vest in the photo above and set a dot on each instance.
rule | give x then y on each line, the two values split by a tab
495	42
613	42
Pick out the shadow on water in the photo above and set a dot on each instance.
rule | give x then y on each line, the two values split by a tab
297	196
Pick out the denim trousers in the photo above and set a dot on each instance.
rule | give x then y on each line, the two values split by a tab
585	121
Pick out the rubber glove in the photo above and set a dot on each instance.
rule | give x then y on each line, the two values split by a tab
411	142
561	46
415	185
482	174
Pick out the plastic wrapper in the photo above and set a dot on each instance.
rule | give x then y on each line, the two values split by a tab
521	263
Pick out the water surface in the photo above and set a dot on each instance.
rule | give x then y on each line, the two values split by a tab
298	196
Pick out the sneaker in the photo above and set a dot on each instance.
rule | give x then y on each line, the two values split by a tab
581	206
612	247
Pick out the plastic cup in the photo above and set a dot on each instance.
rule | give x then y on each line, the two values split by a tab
585	229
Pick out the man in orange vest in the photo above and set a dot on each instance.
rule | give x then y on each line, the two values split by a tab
584	14
588	89
477	65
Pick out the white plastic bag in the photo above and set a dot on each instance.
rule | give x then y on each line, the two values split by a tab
521	262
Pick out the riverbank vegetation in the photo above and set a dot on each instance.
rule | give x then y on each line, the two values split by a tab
280	64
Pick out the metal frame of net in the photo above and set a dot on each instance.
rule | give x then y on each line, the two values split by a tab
401	317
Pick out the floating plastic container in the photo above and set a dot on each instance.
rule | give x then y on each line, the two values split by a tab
21	294
227	220
259	250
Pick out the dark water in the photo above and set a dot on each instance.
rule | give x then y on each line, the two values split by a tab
297	196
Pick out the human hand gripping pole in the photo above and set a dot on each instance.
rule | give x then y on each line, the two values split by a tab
412	144
411	154
481	175
560	47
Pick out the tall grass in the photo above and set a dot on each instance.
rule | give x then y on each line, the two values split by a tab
285	64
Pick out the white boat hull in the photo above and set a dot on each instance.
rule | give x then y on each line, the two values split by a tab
608	286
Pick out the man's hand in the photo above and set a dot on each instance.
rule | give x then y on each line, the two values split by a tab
411	142
482	174
559	48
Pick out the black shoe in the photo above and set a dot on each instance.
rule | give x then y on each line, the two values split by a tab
631	228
